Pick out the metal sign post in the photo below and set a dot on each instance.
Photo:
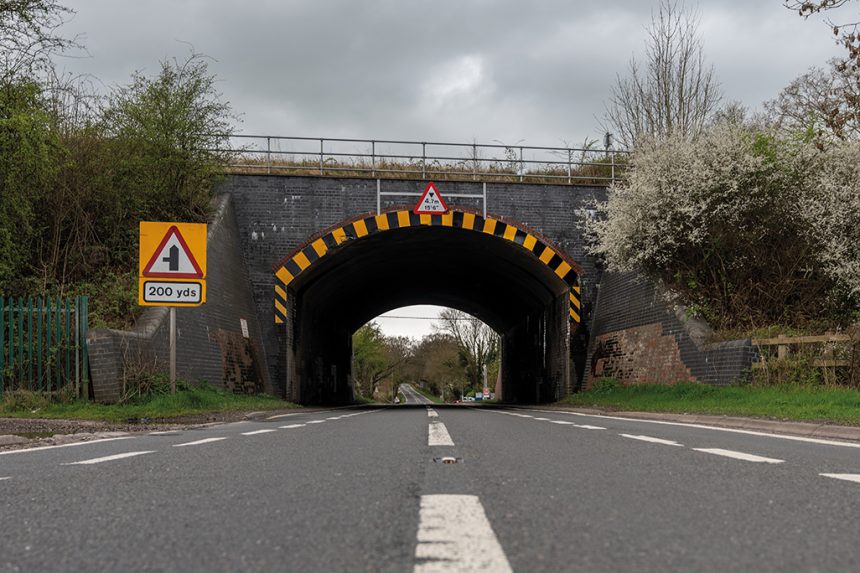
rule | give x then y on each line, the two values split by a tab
173	350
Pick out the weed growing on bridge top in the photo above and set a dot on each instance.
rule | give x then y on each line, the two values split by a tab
187	401
801	402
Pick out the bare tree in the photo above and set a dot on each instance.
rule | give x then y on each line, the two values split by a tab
477	342
28	36
825	102
847	33
673	91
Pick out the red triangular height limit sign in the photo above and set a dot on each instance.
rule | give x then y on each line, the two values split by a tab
430	203
173	259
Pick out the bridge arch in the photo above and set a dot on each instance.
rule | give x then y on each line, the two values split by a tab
499	270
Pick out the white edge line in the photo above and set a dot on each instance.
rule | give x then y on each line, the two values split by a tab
717	428
651	440
108	458
291	426
5	478
40	448
738	455
282	416
199	442
255	432
844	477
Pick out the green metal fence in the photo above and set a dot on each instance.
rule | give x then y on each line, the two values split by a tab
43	344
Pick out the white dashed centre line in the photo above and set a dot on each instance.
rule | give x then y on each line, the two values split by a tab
846	477
739	455
588	427
40	448
316	421
542	419
437	435
109	458
454	535
562	423
652	440
5	478
291	426
255	432
431	413
199	442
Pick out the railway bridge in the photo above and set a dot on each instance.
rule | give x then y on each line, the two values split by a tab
297	263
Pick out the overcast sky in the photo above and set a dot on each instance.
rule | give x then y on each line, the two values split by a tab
441	70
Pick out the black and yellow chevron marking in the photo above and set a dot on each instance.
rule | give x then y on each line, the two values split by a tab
305	257
280	305
575	304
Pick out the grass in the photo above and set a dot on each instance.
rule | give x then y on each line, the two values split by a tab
787	402
186	402
433	398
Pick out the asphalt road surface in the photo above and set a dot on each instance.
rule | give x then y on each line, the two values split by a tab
413	396
372	489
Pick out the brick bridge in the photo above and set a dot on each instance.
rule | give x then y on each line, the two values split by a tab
304	261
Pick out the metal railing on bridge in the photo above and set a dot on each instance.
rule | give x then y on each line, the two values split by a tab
43	344
376	158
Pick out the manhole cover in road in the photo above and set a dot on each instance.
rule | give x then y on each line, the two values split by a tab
448	460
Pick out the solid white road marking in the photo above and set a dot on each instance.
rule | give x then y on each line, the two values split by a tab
437	435
652	440
846	477
199	442
588	427
291	426
739	455
820	441
5	478
562	422
40	448
109	458
316	421
542	419
255	432
279	416
454	535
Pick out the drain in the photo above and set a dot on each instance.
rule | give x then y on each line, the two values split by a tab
448	460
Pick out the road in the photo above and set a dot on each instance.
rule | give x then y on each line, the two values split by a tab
369	489
413	396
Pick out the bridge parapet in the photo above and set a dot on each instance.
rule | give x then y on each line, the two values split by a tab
397	159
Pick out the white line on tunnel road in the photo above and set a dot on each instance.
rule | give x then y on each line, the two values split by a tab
255	432
431	413
454	535
739	455
109	458
86	443
199	442
651	440
291	426
846	477
437	435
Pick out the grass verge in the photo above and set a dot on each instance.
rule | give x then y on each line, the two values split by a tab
788	402
186	402
433	398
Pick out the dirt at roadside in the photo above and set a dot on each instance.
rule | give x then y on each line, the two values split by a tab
34	432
